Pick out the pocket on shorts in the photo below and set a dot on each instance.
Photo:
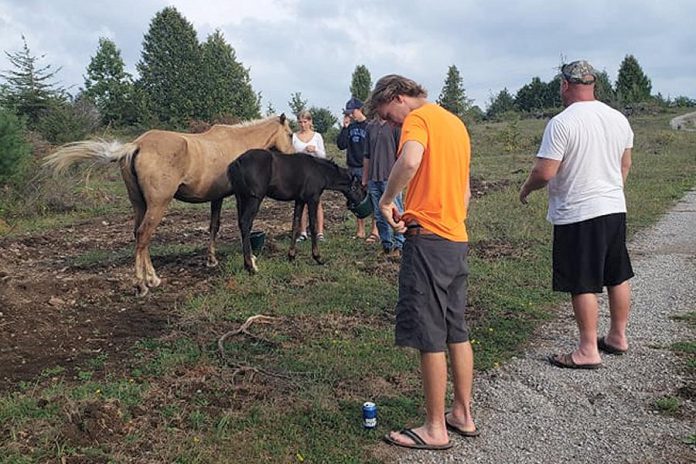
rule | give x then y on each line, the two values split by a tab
412	294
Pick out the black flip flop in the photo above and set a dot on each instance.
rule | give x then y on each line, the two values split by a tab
418	442
463	433
607	348
565	361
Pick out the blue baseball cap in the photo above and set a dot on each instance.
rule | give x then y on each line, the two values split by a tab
352	104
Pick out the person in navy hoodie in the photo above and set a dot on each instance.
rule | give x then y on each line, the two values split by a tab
353	139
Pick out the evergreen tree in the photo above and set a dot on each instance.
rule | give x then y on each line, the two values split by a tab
453	97
632	85
552	94
604	91
361	83
500	104
109	85
297	104
28	90
322	119
14	150
170	68
532	96
225	83
270	109
67	121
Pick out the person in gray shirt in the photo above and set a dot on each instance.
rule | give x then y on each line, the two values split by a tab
383	140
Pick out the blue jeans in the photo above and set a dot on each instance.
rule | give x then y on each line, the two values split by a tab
390	240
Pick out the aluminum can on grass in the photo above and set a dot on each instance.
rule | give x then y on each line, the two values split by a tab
369	413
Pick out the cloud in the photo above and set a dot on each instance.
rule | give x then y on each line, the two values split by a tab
313	47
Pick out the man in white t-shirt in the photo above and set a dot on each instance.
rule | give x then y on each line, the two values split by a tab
584	158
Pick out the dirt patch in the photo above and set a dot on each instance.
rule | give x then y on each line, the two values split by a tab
55	312
66	295
496	249
480	187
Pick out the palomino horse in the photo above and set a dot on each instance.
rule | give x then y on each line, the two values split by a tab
161	165
257	174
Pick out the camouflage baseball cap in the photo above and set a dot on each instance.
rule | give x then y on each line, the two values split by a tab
579	72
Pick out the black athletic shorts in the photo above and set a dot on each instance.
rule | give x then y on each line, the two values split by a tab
432	293
591	254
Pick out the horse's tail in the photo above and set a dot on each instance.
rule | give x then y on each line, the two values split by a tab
97	151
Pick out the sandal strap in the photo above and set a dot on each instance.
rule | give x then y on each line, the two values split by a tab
413	436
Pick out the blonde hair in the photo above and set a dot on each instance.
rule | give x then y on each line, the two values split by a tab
391	86
304	114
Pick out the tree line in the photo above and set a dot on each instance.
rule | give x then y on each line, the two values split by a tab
182	81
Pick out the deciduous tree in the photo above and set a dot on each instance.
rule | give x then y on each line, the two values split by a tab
322	119
297	104
500	104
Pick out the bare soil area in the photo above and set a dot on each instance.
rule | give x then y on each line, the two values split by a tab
58	307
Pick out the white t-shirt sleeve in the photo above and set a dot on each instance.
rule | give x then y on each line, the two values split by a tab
554	142
321	150
629	137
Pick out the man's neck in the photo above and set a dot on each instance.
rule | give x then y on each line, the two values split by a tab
581	94
416	102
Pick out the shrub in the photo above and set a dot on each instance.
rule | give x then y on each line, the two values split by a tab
14	150
69	121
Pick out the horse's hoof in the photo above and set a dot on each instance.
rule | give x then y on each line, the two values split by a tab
291	257
153	281
318	260
141	290
212	262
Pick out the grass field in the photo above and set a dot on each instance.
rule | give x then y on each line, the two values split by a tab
291	390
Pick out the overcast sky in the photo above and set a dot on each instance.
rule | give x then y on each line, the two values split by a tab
313	46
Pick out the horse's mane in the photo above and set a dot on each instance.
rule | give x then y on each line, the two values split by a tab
253	122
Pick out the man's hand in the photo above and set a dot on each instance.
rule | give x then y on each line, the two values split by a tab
347	120
524	193
391	214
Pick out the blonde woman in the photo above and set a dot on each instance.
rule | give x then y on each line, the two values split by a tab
307	141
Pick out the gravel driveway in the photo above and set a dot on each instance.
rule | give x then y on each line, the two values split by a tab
531	412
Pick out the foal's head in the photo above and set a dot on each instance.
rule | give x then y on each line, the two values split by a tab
355	193
281	139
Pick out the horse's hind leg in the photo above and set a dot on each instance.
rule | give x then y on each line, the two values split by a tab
296	219
247	208
138	215
215	208
313	206
144	271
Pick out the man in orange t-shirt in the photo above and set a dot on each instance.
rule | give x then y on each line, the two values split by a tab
434	156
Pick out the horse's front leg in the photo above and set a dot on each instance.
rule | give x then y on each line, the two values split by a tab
247	208
296	219
215	208
313	206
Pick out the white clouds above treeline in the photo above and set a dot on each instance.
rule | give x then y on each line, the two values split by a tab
313	46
